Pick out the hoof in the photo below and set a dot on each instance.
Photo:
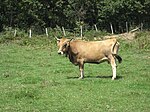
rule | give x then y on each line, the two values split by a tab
81	77
113	78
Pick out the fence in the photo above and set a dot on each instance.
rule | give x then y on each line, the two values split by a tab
77	31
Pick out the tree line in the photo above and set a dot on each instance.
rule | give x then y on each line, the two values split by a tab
39	14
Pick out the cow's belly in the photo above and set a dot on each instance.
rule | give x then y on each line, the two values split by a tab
96	60
91	57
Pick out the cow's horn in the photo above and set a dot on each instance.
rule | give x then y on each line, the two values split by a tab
57	38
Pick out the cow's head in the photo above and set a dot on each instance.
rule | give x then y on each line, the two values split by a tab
63	45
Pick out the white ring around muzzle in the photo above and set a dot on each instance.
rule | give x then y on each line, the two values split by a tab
60	52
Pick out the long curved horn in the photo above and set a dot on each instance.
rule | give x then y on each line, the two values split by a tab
57	38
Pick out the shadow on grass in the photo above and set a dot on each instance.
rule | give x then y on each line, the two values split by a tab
100	77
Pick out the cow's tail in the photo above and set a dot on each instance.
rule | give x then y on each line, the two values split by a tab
115	49
118	58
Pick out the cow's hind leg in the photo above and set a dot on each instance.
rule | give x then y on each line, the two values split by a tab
113	65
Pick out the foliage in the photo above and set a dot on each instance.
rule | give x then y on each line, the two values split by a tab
23	39
92	34
8	35
142	40
37	14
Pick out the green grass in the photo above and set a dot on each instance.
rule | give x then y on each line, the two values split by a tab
33	78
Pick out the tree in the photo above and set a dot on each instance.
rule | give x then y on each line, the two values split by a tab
71	13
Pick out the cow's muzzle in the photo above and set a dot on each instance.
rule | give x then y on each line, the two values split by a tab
60	52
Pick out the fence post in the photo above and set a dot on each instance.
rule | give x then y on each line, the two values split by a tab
81	31
112	31
46	32
127	30
15	33
141	26
95	27
30	33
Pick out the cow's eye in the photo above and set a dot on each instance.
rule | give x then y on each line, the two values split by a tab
65	46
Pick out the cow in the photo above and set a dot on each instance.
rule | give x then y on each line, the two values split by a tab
80	52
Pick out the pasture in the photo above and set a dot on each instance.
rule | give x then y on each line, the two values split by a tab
34	78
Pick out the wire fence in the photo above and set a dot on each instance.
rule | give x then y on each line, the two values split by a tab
79	31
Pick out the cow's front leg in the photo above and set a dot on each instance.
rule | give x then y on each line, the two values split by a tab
81	68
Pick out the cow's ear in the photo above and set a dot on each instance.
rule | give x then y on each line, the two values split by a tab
70	39
68	42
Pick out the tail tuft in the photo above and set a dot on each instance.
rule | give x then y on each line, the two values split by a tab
118	57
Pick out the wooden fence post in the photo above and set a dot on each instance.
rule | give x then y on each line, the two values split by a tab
127	30
46	32
15	33
141	26
30	33
112	31
81	31
95	27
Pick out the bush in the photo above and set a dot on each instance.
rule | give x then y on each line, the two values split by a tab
90	35
40	41
8	35
142	40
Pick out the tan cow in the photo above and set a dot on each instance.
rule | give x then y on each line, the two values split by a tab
80	52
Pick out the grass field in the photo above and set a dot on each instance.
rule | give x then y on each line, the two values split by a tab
36	79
